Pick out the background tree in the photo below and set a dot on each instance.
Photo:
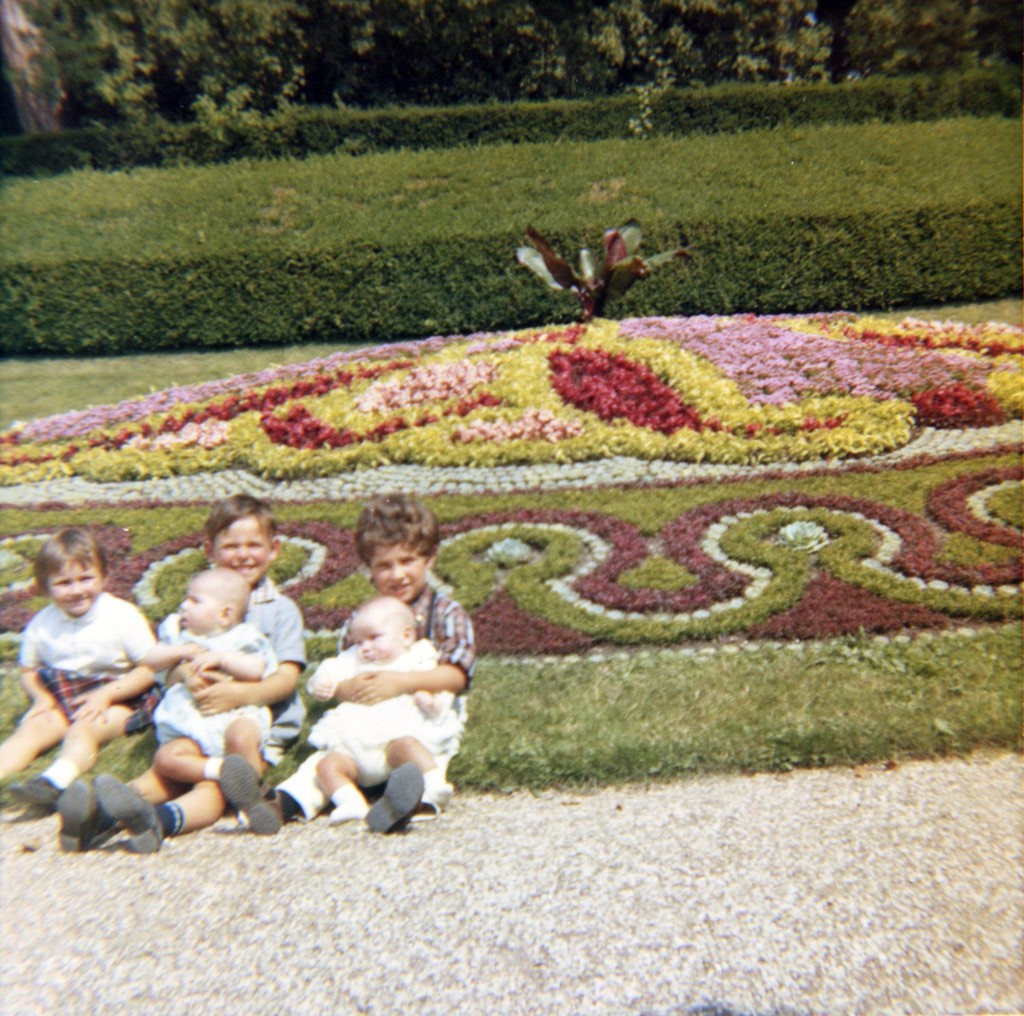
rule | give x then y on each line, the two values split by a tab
132	60
138	58
908	36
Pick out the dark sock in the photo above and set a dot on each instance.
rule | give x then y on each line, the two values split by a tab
290	808
104	820
171	818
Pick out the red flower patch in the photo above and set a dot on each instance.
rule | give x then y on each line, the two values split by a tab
970	342
956	406
947	504
615	387
299	428
831	607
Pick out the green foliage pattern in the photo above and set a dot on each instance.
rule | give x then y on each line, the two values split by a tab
389	246
297	131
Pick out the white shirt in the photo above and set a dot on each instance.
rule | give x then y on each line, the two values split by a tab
110	639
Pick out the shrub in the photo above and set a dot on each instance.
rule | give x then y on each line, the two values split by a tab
301	131
389	246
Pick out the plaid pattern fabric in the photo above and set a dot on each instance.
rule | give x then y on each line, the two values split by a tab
448	626
66	685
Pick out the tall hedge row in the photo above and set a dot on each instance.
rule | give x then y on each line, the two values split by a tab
674	113
851	260
390	246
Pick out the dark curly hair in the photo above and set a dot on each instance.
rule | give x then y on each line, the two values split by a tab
391	519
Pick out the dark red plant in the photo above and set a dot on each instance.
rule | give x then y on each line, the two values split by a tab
594	286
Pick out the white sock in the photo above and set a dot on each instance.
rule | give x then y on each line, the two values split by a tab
436	789
211	768
62	773
349	804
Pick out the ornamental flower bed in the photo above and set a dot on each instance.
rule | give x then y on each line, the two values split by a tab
927	544
736	390
757	551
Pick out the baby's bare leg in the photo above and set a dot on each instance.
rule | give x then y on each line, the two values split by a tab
336	773
409	749
243	738
335	770
180	760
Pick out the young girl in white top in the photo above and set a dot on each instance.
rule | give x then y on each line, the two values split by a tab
81	667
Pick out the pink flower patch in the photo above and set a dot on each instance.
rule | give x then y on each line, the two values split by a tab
533	425
208	434
428	384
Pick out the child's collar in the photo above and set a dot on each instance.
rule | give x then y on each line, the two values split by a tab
422	604
264	591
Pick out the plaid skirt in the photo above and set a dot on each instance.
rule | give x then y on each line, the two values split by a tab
66	685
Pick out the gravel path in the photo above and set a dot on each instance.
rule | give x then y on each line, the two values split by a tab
861	891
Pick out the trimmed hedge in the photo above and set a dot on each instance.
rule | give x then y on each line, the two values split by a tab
851	260
299	132
390	246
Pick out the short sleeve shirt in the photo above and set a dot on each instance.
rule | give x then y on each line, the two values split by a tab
280	620
110	639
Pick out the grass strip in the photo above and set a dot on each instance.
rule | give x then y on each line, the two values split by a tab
661	715
653	715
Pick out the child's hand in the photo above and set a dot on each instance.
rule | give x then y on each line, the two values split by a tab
329	676
219	697
196	681
94	705
369	689
322	687
208	663
427	704
188	651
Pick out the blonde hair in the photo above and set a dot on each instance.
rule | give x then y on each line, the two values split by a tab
71	544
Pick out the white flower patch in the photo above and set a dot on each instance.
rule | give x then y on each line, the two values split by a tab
978	501
803	536
509	551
